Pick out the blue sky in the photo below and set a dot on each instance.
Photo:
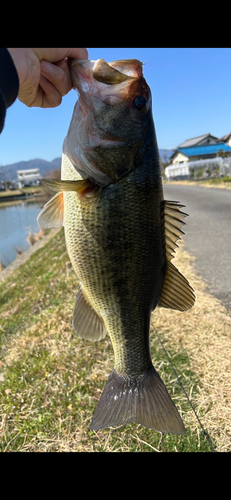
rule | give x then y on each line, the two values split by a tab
190	91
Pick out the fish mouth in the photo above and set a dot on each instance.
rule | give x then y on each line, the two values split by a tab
110	73
110	81
116	72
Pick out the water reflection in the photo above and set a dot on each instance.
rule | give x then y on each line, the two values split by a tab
16	221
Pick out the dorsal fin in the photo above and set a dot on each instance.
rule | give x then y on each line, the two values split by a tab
176	292
173	220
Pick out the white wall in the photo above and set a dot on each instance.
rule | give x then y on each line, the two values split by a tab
179	158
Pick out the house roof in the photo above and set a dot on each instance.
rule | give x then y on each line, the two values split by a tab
195	140
225	137
206	149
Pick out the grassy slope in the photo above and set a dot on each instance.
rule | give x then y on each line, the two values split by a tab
51	380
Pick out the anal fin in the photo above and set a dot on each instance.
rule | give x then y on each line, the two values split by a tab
86	322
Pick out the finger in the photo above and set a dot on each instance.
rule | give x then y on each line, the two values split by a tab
56	54
58	74
47	96
51	97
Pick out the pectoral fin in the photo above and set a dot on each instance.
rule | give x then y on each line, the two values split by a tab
86	322
52	213
77	186
176	292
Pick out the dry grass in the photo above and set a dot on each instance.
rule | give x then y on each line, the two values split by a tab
211	183
32	238
204	333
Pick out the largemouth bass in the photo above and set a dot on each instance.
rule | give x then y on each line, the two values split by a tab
120	235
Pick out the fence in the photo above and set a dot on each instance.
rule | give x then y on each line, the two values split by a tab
200	168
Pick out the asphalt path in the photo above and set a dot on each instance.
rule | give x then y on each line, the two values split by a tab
207	234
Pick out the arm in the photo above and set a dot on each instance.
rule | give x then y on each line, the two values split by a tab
9	84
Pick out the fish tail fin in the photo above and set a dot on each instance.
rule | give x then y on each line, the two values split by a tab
143	400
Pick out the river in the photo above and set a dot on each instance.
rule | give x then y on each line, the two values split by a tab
16	222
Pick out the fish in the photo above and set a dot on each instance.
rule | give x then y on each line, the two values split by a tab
120	235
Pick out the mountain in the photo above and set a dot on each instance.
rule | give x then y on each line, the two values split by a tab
9	172
165	154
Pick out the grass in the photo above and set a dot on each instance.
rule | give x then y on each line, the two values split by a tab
51	380
217	182
14	192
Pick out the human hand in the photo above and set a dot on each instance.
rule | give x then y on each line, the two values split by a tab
44	76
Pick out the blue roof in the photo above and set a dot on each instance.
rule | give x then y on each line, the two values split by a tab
208	149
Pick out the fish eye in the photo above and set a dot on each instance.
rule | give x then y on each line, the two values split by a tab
139	103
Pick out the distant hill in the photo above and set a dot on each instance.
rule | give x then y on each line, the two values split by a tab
10	171
165	154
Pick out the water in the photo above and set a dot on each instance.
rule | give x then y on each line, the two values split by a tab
16	221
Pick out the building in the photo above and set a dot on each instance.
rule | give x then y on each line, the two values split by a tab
203	147
227	139
201	156
29	177
201	152
200	140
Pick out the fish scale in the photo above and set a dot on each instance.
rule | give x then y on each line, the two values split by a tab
119	213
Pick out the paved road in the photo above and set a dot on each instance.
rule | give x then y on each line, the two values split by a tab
207	234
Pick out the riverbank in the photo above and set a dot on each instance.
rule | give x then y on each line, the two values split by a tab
24	256
15	193
18	223
51	380
40	193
